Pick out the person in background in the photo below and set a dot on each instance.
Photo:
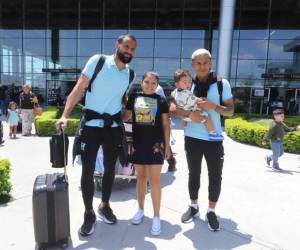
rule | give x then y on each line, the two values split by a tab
12	119
275	136
26	105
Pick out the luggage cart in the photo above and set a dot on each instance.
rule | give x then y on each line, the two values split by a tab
122	172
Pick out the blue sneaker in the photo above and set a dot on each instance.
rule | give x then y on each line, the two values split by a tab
215	137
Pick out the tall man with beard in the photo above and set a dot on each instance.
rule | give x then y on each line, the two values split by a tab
105	98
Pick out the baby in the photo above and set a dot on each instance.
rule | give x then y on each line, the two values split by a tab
186	100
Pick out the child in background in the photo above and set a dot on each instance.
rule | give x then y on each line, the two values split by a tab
185	99
275	136
151	138
12	119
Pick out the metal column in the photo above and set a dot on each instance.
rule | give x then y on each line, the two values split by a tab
225	38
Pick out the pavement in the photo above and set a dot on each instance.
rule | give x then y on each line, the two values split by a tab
257	207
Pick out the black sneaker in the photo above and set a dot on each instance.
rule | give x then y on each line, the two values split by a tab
88	226
190	214
106	214
212	221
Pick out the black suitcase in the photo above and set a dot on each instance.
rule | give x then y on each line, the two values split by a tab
50	204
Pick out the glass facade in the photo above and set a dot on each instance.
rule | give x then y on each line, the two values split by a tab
37	36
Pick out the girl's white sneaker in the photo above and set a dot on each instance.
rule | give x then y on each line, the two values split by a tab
138	217
156	227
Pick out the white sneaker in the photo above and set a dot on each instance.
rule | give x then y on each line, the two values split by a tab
138	217
156	228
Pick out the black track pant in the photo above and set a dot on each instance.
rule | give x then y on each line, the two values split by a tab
91	139
214	155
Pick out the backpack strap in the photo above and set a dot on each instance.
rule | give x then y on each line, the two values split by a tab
131	75
98	68
220	89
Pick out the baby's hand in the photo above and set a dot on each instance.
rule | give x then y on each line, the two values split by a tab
298	128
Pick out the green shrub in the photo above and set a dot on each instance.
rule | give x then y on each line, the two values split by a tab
45	124
239	129
5	185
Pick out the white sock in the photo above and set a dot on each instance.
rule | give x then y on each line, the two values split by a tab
194	205
210	210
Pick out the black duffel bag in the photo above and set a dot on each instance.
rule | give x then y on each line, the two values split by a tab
59	145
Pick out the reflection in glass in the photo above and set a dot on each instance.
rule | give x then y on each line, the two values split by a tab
11	64
166	67
109	46
141	65
67	47
10	46
281	67
89	47
249	83
254	34
283	49
253	49
187	64
34	46
284	33
142	34
144	48
167	48
11	33
251	69
90	33
64	62
34	64
190	45
81	61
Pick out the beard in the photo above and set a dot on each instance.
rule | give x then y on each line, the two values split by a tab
122	57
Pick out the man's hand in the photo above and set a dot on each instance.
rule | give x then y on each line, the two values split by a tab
204	104
167	152
61	123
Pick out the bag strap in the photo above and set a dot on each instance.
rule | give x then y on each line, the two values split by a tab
220	89
131	75
98	68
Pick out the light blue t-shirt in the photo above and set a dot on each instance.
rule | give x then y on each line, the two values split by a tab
107	89
198	130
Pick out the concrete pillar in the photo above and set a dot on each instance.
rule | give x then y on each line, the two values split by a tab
226	24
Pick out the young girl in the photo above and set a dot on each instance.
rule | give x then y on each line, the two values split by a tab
12	119
151	137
